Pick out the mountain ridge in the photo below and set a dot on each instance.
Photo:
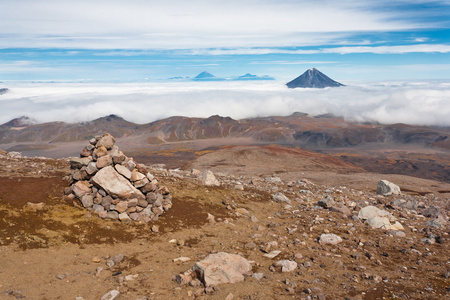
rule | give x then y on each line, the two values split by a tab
397	148
324	131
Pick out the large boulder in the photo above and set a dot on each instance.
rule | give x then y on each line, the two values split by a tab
379	218
387	188
281	198
286	265
216	269
209	179
327	202
329	238
372	211
384	223
115	184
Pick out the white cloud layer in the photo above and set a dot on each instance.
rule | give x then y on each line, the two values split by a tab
419	103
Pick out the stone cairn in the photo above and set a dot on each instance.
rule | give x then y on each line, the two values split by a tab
113	186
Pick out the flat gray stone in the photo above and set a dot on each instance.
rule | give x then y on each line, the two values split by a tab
123	171
91	168
77	163
98	208
113	215
87	200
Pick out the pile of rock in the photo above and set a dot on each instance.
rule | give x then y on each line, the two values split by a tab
113	186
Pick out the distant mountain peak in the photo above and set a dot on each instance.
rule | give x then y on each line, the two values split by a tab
249	76
22	121
313	78
110	118
204	74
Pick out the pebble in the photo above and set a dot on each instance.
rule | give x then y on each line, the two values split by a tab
398	233
111	295
254	219
272	254
131	277
242	211
181	259
230	296
250	245
118	258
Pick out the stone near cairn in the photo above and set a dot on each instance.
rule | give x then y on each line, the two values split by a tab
113	186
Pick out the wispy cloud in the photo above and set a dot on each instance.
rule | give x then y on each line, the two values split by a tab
300	62
421	48
418	48
421	103
177	24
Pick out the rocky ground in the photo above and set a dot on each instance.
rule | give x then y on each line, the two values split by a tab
52	248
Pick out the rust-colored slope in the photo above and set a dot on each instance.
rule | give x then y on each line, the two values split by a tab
267	160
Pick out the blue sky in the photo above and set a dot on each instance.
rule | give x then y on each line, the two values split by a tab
141	40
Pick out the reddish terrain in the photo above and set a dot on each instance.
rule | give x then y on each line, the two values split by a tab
399	149
55	251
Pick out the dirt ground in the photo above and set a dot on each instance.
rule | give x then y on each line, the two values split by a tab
56	252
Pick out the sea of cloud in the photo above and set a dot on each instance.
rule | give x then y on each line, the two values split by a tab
415	103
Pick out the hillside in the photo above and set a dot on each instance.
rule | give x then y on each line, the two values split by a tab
311	222
397	148
298	129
